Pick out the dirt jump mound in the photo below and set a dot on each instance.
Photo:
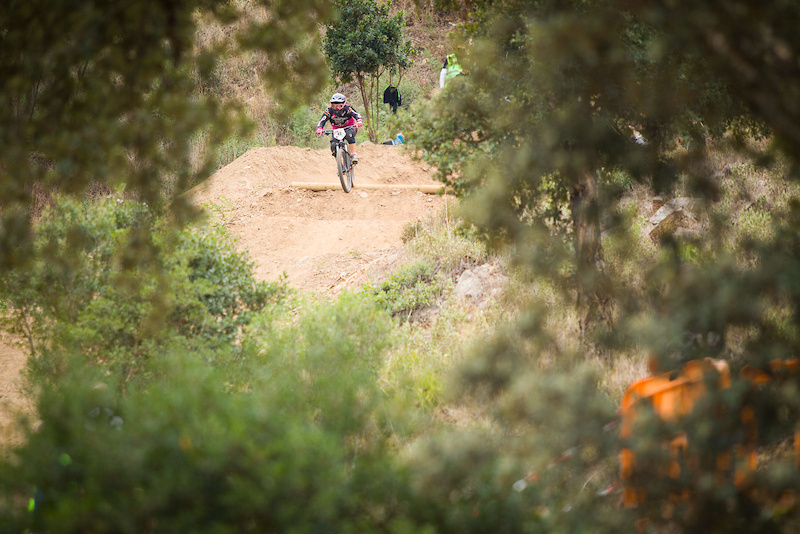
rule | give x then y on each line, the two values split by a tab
325	240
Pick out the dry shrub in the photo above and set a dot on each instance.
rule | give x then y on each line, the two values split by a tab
44	197
238	74
41	199
428	31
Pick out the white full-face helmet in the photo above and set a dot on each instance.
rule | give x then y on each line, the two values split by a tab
338	98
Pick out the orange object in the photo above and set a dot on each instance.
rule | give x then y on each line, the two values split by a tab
673	396
776	367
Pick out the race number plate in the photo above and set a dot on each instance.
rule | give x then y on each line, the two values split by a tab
339	134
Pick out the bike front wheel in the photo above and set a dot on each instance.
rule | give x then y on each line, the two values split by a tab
350	170
344	167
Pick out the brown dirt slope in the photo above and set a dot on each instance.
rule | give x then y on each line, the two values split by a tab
326	240
12	361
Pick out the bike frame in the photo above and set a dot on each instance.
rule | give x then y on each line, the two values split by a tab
344	162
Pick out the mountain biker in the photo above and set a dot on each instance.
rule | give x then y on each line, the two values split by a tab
341	115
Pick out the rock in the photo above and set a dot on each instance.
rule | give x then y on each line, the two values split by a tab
469	286
424	316
480	284
675	214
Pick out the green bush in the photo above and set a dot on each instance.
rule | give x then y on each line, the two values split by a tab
414	287
214	289
182	455
293	435
326	362
117	309
303	123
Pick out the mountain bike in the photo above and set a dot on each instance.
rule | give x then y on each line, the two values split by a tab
344	162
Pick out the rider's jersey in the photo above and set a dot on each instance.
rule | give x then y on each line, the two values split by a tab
340	118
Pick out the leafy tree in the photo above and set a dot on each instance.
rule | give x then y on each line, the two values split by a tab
536	138
96	93
99	98
546	120
362	44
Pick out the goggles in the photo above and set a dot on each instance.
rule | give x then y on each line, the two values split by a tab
337	106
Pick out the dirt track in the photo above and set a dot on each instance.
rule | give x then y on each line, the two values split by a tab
322	241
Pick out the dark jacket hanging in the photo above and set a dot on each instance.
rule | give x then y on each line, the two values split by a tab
392	97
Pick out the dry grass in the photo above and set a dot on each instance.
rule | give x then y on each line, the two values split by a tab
238	75
619	373
429	35
237	78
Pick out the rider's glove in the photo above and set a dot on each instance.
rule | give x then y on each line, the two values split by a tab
359	124
319	130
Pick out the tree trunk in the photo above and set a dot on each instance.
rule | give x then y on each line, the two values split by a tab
377	104
593	301
367	111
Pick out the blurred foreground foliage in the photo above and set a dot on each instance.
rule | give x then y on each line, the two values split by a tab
96	95
182	453
566	111
174	393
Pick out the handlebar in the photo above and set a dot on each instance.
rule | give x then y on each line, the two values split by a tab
351	127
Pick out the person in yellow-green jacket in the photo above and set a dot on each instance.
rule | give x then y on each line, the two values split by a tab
450	69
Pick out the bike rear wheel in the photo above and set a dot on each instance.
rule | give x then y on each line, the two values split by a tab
344	168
